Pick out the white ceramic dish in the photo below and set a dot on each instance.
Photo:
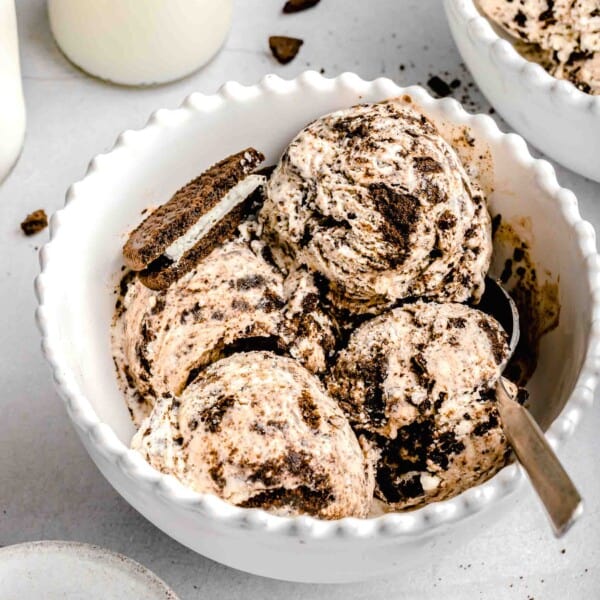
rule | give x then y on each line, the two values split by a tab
52	570
81	263
552	114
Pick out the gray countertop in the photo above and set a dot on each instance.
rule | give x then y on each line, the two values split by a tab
50	489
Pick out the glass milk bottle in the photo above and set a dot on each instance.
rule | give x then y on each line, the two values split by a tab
12	105
140	42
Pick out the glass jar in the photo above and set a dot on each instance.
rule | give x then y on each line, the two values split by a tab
140	42
12	104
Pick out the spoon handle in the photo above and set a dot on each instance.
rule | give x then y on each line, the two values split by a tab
551	482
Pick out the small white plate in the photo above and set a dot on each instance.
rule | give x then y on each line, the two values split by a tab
73	571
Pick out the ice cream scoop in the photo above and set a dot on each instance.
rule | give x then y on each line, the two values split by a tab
260	431
418	382
378	204
234	300
161	339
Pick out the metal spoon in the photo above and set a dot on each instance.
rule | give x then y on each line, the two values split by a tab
550	481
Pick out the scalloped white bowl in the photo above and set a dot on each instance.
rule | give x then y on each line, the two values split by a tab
552	114
80	265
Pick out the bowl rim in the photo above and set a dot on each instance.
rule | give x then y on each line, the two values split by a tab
94	552
503	52
390	525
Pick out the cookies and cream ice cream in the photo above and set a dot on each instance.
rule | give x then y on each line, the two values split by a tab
566	33
378	205
260	431
274	370
310	333
232	301
162	338
419	382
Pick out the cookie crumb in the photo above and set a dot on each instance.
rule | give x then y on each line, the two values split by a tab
283	48
35	222
439	86
293	6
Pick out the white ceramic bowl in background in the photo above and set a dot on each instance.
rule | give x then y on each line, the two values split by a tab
552	114
81	263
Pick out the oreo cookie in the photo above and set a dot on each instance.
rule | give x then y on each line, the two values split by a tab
199	217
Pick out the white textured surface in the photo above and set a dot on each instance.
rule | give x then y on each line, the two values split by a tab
58	493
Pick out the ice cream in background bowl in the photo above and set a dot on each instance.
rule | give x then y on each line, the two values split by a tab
563	36
141	171
537	64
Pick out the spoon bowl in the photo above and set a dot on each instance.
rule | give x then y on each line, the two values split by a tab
548	477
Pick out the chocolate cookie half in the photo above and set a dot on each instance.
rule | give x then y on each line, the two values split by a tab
199	216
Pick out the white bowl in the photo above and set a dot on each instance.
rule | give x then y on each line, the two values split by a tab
552	114
80	266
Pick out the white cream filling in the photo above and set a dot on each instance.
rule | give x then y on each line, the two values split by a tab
429	482
236	195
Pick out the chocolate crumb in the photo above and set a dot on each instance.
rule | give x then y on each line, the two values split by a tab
400	213
520	18
212	416
496	220
496	342
507	271
35	222
293	6
439	86
309	410
216	474
518	254
284	48
250	282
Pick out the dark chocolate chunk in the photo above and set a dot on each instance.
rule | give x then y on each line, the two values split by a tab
293	6
400	214
212	416
507	271
309	410
284	48
518	254
439	86
35	222
496	220
254	344
520	18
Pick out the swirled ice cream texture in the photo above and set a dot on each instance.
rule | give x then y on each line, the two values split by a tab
259	431
418	381
233	301
375	202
